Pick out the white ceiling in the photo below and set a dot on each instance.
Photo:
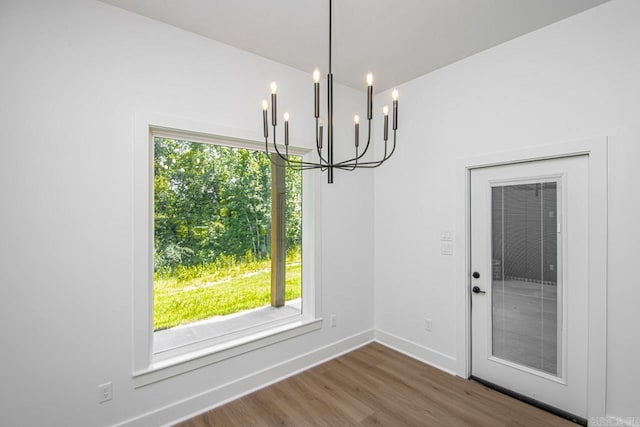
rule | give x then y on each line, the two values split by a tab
396	40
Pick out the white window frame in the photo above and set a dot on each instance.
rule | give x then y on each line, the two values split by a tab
149	367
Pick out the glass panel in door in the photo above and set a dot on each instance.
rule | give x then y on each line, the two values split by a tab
526	310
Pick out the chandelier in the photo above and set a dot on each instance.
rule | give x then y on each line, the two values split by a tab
325	155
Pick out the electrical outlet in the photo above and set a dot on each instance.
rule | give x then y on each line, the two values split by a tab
105	392
333	321
427	324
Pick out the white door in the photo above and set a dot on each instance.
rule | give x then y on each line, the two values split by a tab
529	284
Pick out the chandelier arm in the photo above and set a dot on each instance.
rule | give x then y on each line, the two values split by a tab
385	149
348	167
349	162
375	164
266	151
301	168
275	147
323	161
294	164
291	162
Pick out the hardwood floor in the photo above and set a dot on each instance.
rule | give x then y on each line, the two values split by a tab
375	385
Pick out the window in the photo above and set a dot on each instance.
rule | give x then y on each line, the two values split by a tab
222	269
216	241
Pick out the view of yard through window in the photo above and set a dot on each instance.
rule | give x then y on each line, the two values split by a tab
212	231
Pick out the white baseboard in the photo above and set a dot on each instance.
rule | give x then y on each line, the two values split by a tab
210	399
426	355
194	405
613	421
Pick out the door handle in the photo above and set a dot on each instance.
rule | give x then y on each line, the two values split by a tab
476	290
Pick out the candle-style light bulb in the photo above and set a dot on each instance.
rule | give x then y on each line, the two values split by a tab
316	93
394	96
274	104
356	119
385	111
265	125
286	129
369	96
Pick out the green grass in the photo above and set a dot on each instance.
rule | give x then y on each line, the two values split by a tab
196	293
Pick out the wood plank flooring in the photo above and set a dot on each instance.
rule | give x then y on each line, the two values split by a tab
375	385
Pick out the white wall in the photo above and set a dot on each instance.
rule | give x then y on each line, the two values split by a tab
75	72
73	75
574	80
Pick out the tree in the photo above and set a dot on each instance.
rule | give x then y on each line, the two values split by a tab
212	200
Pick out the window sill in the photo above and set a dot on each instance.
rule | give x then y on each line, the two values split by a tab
179	361
222	328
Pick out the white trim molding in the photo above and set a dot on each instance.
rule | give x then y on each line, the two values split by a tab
427	355
612	421
225	393
597	152
149	367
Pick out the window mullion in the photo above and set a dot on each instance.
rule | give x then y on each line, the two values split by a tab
278	231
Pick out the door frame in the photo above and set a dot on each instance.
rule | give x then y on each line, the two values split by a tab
596	151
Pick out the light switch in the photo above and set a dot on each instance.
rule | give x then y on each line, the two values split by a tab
446	248
446	235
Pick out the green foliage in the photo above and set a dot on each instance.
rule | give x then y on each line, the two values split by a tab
293	182
212	230
212	201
